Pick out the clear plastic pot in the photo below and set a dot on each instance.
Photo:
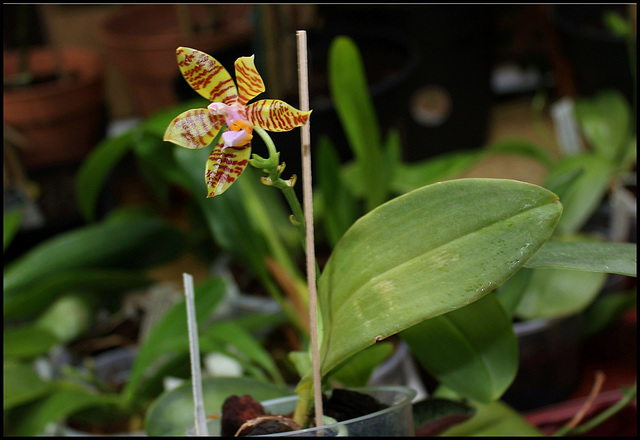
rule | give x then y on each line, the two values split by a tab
396	420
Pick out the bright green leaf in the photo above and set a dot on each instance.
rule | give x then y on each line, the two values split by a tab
27	341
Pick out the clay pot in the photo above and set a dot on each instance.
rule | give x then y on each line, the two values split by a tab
60	119
141	42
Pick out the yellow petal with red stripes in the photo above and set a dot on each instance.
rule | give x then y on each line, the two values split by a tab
206	75
249	81
276	115
224	166
194	129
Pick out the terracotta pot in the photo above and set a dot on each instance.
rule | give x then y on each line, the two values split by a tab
61	120
141	41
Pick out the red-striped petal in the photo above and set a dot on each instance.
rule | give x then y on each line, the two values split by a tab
224	166
249	81
276	115
194	128
206	75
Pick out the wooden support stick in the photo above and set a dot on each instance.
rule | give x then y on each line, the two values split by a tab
308	215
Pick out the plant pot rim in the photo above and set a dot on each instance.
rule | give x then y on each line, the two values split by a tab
409	394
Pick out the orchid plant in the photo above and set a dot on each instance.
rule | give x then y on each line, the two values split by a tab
419	258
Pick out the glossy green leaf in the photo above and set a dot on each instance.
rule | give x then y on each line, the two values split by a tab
427	253
21	384
95	169
477	358
620	258
172	413
10	226
586	191
354	105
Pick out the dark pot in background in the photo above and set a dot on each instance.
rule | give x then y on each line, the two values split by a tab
449	93
549	364
599	59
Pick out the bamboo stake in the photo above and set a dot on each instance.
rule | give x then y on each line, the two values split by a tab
194	348
308	215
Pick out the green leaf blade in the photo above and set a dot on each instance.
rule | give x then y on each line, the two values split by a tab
426	253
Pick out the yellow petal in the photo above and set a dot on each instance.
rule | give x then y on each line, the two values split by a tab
206	75
194	128
276	115
249	81
224	166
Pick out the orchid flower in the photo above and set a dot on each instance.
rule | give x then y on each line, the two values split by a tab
228	111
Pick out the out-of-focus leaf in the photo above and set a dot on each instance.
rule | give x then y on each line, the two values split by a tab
605	120
172	413
478	358
433	416
170	336
586	192
95	169
493	419
350	94
553	293
340	207
34	298
620	258
10	227
69	316
523	148
66	399
134	241
27	341
21	384
606	309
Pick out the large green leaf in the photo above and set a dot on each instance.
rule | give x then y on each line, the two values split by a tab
427	253
620	258
173	412
472	350
27	341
